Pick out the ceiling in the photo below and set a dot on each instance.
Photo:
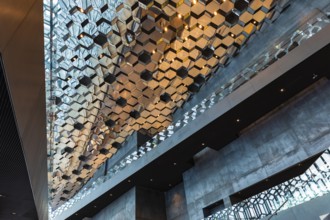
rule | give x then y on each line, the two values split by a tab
165	172
16	198
128	65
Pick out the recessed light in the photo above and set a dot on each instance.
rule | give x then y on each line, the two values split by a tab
170	185
151	180
282	90
13	213
174	164
238	120
194	2
200	26
110	194
129	181
203	144
76	213
179	16
95	206
215	13
165	29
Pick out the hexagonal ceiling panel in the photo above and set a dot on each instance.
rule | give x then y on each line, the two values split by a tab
121	66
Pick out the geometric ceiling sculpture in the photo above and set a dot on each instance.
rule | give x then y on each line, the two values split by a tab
122	66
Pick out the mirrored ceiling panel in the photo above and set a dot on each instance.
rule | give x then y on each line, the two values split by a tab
116	67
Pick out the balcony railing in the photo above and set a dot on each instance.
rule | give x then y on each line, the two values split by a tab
313	183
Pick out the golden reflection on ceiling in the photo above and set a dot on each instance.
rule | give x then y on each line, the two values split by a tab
128	65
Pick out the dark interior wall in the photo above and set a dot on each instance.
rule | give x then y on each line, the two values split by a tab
176	204
121	209
150	204
138	203
16	198
296	131
22	48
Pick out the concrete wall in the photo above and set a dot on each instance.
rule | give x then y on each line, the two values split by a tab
289	135
176	204
138	203
150	204
315	209
121	209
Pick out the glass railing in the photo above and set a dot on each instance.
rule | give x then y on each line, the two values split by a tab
315	182
280	48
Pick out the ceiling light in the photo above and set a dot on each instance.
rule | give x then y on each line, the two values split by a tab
174	164
203	144
194	2
237	120
13	213
151	180
110	194
153	51
215	13
179	16
282	90
165	29
129	181
200	26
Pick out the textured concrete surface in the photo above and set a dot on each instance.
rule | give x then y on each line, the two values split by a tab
121	209
289	135
138	203
315	209
150	204
176	205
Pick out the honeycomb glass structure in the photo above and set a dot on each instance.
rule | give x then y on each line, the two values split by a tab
126	65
